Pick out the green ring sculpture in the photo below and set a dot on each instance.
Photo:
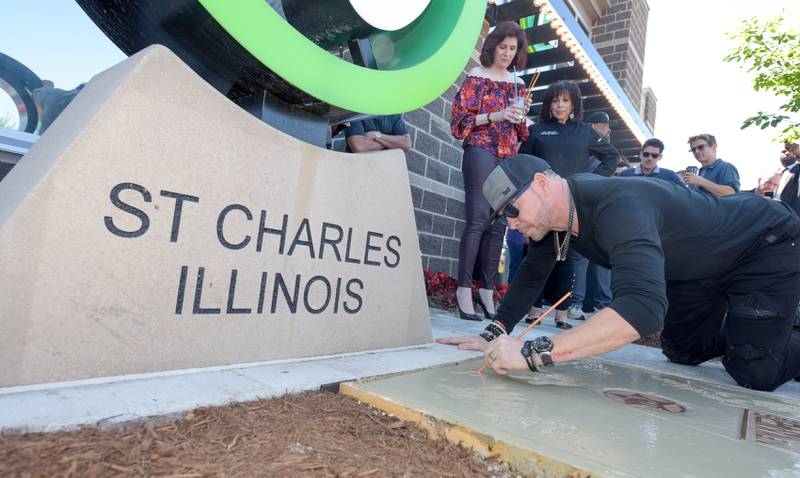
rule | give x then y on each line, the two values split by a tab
428	55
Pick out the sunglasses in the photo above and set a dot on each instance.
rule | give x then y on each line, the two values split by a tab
510	210
650	155
699	147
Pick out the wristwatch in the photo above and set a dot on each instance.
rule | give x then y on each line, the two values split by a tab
530	356
543	346
378	136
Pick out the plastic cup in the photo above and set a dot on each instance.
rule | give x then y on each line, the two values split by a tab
520	102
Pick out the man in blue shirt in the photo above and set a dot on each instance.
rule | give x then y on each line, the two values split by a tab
716	177
651	152
377	133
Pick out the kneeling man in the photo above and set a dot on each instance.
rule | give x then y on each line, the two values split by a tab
718	276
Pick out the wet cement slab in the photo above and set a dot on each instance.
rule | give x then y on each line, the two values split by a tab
598	419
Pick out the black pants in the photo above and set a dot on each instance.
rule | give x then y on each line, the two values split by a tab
745	316
477	244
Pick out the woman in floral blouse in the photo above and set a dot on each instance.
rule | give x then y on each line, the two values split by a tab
486	116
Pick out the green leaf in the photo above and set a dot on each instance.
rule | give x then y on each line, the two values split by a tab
770	50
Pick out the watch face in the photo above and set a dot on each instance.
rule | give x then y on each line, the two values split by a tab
526	349
542	344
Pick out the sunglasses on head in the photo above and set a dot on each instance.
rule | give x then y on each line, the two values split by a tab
699	147
646	154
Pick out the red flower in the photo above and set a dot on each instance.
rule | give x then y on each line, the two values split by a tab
441	289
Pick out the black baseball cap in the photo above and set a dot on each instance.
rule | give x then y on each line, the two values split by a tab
600	117
509	180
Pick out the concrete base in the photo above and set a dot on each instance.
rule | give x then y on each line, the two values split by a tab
66	405
590	418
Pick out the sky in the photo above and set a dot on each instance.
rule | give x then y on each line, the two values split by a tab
56	40
696	91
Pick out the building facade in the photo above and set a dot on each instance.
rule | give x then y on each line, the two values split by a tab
597	43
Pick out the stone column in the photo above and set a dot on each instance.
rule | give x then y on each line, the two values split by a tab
648	110
619	37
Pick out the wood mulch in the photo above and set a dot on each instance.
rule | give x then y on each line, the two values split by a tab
311	434
651	340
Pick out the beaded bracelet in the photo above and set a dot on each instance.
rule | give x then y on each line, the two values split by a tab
493	331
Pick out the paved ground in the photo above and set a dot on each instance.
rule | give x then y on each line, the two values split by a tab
588	418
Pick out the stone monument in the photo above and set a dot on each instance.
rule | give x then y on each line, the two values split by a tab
158	226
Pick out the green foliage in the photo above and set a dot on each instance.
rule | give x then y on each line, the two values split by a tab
6	121
771	49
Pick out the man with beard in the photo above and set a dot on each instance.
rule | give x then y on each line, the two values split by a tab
788	190
738	303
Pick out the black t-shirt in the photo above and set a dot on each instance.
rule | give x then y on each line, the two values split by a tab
790	194
568	148
649	233
389	124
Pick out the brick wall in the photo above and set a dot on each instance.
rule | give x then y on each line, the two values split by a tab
619	37
434	171
648	111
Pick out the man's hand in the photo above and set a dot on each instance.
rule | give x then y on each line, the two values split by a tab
362	143
718	190
691	178
504	354
469	342
389	141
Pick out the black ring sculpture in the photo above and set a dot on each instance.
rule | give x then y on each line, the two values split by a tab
18	81
215	38
187	29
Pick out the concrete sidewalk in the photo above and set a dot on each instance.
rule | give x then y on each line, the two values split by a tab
590	419
118	399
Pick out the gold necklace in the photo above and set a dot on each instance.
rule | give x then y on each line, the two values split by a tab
561	249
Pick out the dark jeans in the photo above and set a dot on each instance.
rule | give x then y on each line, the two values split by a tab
477	244
598	288
581	265
515	254
745	316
